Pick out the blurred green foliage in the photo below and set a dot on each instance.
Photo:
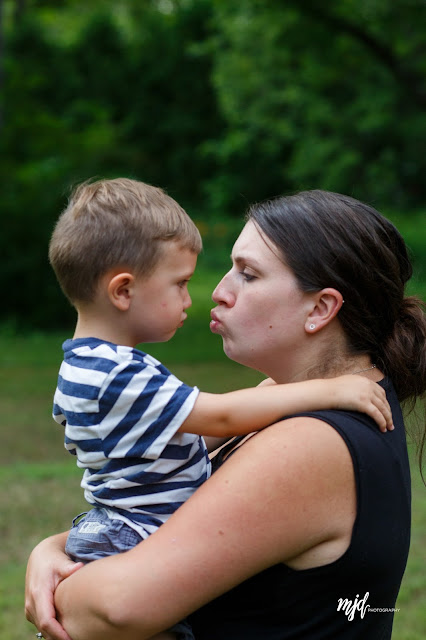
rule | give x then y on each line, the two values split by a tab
220	103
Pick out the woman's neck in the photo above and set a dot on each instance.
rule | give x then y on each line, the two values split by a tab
322	358
356	366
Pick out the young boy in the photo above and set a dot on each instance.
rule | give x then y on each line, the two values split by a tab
123	253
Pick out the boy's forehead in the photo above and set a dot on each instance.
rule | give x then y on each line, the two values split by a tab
176	255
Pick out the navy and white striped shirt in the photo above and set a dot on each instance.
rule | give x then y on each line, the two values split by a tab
121	409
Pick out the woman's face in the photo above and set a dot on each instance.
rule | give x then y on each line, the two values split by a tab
261	312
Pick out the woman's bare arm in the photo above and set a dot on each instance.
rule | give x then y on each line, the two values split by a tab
287	495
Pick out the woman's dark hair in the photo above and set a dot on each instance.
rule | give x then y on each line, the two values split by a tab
331	240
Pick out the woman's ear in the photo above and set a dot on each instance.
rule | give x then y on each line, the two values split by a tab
328	303
120	290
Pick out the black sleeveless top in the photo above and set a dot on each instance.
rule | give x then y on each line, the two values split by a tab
352	597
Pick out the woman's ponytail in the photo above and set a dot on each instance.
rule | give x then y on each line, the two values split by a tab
402	356
403	359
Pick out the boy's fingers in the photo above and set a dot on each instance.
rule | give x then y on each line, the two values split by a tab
380	419
386	422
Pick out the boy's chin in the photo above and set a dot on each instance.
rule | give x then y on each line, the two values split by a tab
158	339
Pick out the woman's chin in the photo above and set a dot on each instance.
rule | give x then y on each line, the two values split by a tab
234	354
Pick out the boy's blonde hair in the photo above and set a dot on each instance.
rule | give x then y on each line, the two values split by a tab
115	223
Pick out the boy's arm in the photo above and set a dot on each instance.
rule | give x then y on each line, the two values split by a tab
240	412
213	443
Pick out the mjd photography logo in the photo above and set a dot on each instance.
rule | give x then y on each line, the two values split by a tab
359	605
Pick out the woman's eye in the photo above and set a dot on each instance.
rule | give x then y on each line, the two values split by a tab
248	277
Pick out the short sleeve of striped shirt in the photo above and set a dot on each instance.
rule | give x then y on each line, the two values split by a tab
117	401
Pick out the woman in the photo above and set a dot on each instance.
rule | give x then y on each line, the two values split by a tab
303	532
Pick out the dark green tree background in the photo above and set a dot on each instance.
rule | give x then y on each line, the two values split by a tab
219	103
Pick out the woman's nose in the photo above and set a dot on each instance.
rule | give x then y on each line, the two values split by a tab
223	293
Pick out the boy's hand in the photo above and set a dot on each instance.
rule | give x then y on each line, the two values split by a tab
356	393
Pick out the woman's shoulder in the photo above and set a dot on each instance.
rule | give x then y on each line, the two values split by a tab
289	432
324	427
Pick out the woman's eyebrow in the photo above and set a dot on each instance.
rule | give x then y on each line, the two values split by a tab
245	259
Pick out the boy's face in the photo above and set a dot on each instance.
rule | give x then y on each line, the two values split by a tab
159	301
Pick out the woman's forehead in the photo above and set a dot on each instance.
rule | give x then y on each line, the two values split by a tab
253	246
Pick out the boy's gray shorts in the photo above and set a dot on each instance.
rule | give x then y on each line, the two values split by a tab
95	535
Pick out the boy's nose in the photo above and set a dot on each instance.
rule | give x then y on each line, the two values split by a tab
187	302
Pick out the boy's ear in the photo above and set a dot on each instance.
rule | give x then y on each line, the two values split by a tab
120	290
328	303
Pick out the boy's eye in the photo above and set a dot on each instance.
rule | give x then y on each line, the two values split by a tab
183	283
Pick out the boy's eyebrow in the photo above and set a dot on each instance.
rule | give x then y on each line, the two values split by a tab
186	275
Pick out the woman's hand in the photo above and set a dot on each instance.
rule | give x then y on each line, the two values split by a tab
47	566
356	393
